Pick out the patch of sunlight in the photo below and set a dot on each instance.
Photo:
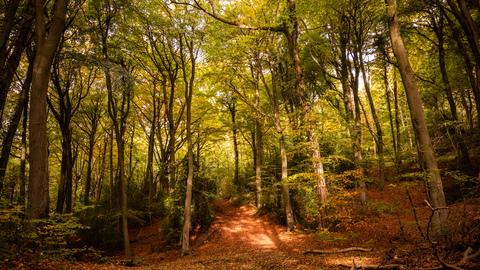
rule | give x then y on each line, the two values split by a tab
262	240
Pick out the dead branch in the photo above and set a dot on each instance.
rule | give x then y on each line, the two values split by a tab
372	266
316	251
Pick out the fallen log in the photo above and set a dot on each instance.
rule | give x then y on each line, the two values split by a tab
316	251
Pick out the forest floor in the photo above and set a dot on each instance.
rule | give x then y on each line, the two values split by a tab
241	239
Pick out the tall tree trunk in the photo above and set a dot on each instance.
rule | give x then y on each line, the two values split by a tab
10	56
379	134
12	128
389	108
397	116
38	198
231	104
151	145
434	183
112	182
188	98
88	180
118	113
101	172
258	145
463	156
469	66
22	176
283	151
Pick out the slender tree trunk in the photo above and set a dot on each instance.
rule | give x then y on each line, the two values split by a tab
188	98
88	181
112	182
101	173
379	134
10	56
12	128
23	177
283	151
258	146
151	145
434	184
231	104
397	117
463	156
118	113
389	108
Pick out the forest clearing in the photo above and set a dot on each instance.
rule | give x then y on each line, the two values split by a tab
248	134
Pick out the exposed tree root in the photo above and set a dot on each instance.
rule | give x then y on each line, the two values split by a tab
316	251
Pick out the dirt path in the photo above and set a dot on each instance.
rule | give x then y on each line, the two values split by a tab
238	239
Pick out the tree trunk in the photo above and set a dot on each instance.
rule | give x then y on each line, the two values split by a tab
258	146
12	128
12	55
38	198
463	156
389	108
188	98
22	176
101	173
397	117
112	182
436	196
379	134
151	145
118	113
283	151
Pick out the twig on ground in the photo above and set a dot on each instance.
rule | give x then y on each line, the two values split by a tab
372	266
316	251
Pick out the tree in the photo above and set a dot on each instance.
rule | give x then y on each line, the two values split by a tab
433	183
46	46
12	127
188	69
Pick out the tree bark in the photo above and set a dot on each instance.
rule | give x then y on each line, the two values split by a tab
23	177
436	196
12	128
93	117
463	155
283	151
118	113
188	98
151	145
379	134
258	141
38	198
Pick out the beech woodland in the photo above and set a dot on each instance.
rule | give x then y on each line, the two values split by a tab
244	134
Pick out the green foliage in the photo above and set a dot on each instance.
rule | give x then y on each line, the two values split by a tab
203	194
461	187
46	238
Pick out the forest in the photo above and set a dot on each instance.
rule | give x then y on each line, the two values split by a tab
178	134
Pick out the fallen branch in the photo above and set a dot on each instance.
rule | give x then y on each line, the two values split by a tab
372	266
466	257
316	251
